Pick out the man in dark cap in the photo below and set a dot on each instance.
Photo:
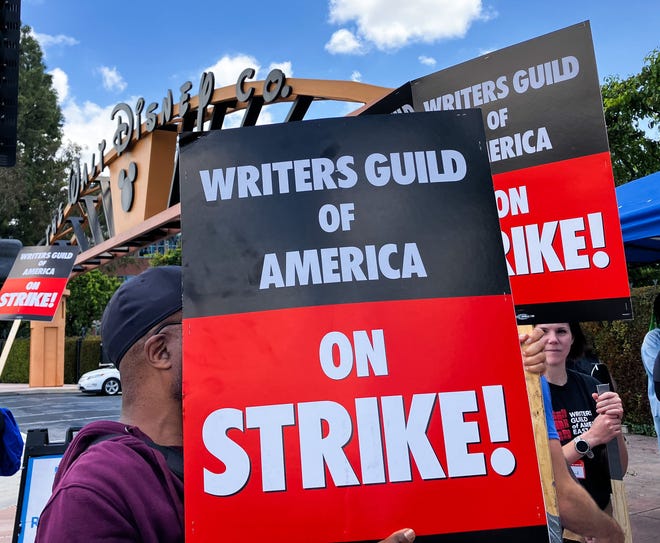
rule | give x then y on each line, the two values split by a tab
114	483
123	481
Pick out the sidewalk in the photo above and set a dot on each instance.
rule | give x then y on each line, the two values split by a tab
642	481
18	388
7	517
9	486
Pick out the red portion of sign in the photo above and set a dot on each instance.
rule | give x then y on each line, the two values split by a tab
29	297
560	224
357	420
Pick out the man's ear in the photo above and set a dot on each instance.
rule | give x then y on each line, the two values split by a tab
157	352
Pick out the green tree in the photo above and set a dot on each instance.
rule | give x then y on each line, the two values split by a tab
90	293
632	114
171	257
30	191
644	276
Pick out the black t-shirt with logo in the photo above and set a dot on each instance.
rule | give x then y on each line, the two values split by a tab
574	411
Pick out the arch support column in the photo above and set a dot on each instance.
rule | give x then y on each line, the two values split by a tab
47	349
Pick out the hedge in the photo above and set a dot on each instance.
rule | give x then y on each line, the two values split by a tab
16	369
18	361
618	345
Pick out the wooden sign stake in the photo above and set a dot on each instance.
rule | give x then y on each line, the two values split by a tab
535	396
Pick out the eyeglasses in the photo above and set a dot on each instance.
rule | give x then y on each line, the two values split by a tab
165	325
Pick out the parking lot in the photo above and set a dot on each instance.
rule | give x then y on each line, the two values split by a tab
58	412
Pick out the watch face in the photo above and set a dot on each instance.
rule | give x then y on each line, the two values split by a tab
581	446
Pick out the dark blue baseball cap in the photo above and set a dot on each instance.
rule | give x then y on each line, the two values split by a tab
137	306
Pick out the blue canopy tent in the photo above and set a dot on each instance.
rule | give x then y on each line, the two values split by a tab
639	212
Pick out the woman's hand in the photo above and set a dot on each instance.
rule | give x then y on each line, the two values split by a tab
603	430
610	404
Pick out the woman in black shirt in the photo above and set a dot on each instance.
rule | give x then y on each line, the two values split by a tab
585	421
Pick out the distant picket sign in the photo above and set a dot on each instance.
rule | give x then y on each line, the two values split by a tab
33	289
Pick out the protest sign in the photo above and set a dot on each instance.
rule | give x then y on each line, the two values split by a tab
552	173
36	282
351	361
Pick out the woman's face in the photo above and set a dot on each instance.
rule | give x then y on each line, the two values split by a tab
558	342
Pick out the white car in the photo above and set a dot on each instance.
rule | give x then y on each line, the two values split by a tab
105	380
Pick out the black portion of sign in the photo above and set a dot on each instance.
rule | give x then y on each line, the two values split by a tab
225	241
537	534
572	131
10	35
57	259
9	248
609	309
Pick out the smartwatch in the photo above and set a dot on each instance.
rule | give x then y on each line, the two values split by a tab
582	446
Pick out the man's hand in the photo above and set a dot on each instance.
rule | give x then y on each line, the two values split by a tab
402	536
532	346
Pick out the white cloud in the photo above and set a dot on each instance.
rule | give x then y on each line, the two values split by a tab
344	42
226	72
427	61
87	125
112	79
227	69
356	76
60	84
391	24
46	40
286	67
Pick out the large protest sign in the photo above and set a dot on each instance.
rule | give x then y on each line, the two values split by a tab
351	363
552	173
35	284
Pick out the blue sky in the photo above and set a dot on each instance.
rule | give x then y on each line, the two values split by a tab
103	53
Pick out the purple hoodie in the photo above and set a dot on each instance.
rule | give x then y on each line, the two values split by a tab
119	489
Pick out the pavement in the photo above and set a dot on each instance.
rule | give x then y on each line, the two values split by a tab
9	486
16	388
642	481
